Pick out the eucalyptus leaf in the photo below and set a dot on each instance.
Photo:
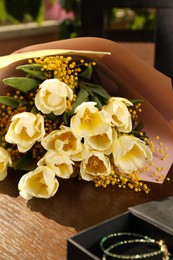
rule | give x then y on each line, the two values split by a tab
81	97
9	101
22	83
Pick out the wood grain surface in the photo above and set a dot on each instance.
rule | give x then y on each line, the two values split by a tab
39	228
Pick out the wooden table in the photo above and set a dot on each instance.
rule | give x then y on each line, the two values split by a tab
39	229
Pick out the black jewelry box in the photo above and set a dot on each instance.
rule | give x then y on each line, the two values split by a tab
154	219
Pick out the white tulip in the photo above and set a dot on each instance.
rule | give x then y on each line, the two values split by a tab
119	114
102	142
130	153
80	155
52	96
25	129
64	141
61	165
40	183
95	164
88	120
5	161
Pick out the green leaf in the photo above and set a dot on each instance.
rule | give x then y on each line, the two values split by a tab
32	66
98	101
81	97
136	101
33	70
52	116
34	110
99	90
139	126
26	162
86	74
9	101
65	118
22	83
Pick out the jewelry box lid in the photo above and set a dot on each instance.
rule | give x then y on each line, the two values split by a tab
157	213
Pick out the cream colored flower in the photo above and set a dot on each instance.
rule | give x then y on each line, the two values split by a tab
40	183
88	120
64	141
25	129
119	114
94	165
5	161
52	96
130	153
102	142
80	155
61	165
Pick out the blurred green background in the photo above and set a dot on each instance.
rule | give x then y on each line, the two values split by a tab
22	11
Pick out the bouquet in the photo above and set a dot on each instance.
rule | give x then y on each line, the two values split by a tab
58	121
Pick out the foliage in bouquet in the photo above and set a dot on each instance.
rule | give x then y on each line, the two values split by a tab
58	122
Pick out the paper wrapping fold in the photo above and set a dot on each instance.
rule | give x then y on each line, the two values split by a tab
124	74
9	59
